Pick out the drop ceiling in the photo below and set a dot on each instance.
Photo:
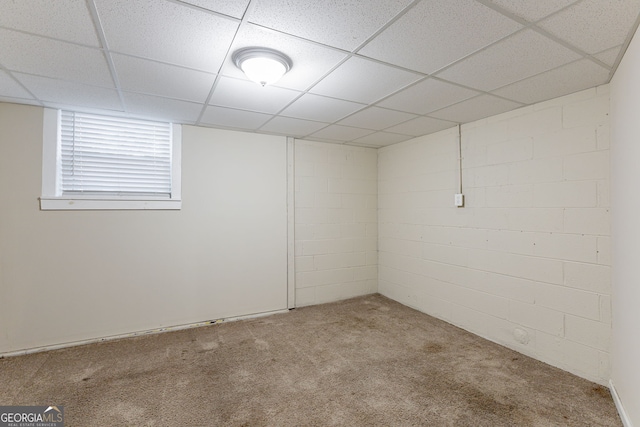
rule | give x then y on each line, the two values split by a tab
370	73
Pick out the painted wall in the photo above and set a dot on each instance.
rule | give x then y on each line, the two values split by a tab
76	275
526	263
336	222
625	175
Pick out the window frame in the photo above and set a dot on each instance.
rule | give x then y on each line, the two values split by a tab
53	199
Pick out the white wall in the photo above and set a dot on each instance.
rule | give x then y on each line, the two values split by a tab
526	262
625	176
336	222
76	275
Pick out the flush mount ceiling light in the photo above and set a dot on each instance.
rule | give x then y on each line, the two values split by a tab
262	65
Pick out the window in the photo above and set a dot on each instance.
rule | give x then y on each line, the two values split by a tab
92	161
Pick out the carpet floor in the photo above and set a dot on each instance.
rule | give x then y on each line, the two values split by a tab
367	361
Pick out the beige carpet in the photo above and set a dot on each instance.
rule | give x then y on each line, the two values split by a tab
363	362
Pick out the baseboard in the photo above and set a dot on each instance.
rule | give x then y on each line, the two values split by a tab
137	334
623	414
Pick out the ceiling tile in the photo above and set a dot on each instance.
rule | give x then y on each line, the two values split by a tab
246	95
310	60
381	139
426	96
155	78
292	127
67	20
157	108
587	24
376	118
235	8
10	88
421	126
344	24
227	117
341	133
320	108
51	58
532	11
515	58
167	32
567	79
445	30
362	80
609	56
49	90
475	109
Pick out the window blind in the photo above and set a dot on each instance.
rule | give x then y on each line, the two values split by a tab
114	155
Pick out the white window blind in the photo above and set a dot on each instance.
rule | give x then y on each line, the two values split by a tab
114	155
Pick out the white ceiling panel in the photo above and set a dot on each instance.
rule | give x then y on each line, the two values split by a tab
567	79
230	118
368	73
316	107
233	8
292	127
421	126
247	95
381	139
532	11
71	93
156	108
155	78
426	96
341	133
365	81
587	24
167	32
68	20
345	24
12	89
310	60
475	109
51	58
609	56
515	58
376	118
441	32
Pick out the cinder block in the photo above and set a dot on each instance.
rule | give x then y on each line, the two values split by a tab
514	288
510	196
304	263
305	296
522	266
595	221
372	258
565	142
469	237
512	150
340	215
326	200
537	317
366	273
603	137
536	171
569	300
535	122
586	113
337	261
311	215
575	194
483	176
604	250
341	246
312	184
314	247
303	231
572	247
308	151
366	244
469	319
588	332
327	231
303	168
518	242
480	301
594	165
589	277
605	309
445	253
574	357
604	194
504	332
304	199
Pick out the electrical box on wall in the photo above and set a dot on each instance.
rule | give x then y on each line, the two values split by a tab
459	200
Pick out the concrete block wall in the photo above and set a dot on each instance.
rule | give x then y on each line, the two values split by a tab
526	263
336	222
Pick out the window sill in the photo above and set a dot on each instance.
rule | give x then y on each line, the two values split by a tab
87	204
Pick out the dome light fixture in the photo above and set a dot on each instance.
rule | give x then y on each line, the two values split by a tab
262	65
